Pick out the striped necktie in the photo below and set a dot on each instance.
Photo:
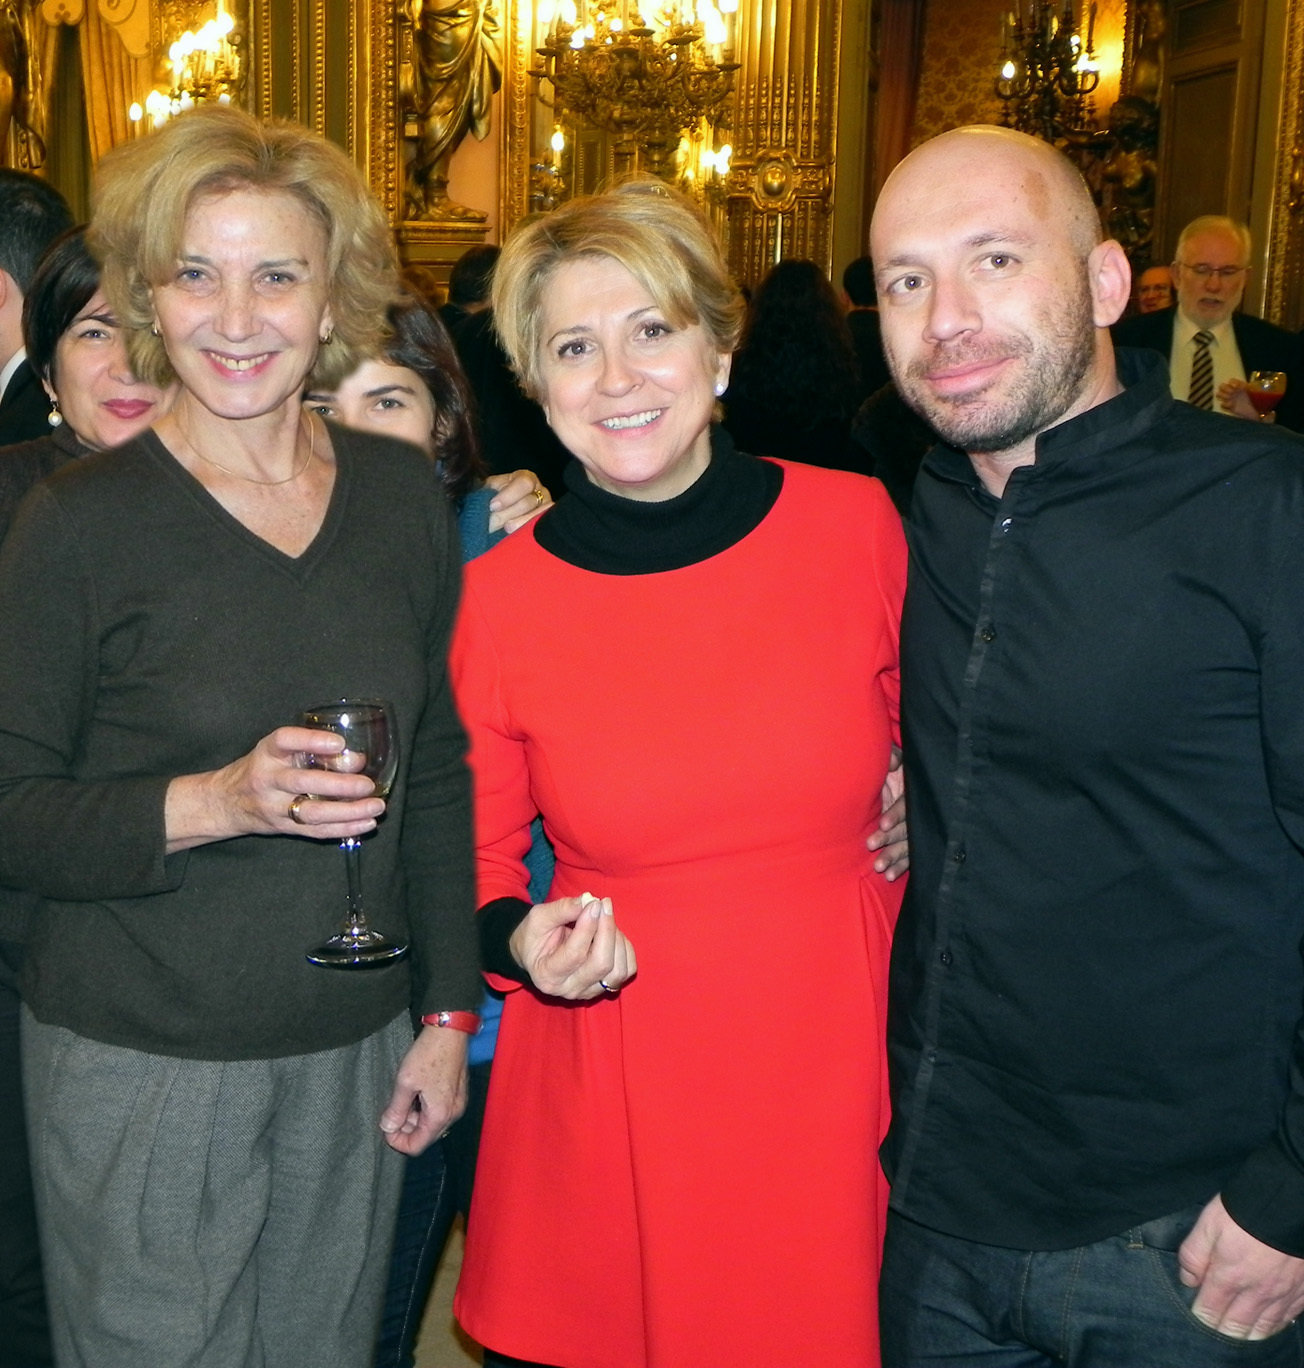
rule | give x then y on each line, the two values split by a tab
1201	392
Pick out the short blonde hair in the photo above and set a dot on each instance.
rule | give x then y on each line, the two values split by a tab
145	189
654	232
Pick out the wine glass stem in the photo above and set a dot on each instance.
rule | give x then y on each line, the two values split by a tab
352	849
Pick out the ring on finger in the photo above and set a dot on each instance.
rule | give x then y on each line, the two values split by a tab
607	988
540	494
294	807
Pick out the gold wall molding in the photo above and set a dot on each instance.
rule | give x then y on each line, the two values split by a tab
1284	286
780	188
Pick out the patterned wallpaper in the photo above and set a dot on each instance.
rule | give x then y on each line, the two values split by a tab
962	43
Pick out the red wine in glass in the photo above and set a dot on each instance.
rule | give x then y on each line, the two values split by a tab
1265	389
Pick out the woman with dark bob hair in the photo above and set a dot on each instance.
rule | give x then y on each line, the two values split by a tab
706	727
212	1182
77	348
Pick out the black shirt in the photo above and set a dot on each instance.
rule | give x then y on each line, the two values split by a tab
1097	979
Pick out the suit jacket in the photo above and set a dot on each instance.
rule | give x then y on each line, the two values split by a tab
24	408
1262	345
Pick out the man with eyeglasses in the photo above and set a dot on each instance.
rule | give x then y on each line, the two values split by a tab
1210	346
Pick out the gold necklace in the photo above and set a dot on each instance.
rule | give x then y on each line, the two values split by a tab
250	479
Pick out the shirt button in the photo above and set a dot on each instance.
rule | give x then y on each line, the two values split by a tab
932	1056
958	855
988	634
1006	524
945	957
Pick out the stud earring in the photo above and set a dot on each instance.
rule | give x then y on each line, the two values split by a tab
325	338
153	329
54	417
720	388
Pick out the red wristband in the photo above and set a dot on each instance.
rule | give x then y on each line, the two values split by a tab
458	1021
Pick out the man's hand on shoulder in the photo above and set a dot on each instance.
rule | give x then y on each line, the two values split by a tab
1248	1290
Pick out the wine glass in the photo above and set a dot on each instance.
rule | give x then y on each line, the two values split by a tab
371	748
1265	389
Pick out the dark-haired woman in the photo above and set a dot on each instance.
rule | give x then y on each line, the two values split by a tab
77	348
795	385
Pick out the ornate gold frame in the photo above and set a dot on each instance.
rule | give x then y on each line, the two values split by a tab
1284	297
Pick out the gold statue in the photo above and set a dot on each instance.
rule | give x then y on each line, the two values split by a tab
456	68
15	89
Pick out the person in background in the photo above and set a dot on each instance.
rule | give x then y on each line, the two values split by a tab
415	389
511	426
32	214
216	1122
1095	1017
73	341
795	383
77	349
468	284
862	319
1210	346
706	727
1154	289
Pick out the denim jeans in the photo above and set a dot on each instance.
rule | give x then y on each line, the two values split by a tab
1118	1303
436	1189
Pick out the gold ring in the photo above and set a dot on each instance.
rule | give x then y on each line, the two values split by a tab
294	808
541	494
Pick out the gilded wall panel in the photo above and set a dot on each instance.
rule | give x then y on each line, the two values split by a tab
779	193
1284	297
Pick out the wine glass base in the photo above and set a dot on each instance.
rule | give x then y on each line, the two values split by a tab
365	950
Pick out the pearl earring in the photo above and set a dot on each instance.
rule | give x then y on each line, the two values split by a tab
720	388
54	417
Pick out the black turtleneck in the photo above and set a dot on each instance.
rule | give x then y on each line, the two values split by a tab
611	535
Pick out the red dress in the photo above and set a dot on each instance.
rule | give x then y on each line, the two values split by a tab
686	1174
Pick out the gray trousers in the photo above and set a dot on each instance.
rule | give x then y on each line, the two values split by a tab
208	1213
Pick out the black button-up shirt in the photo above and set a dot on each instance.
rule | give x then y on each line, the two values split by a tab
1097	981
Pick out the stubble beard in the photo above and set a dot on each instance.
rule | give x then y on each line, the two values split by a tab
1053	364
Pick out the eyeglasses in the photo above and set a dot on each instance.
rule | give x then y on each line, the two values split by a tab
1204	270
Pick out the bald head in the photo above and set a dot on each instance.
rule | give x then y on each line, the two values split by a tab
995	290
963	155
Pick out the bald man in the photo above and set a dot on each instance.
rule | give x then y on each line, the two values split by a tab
1097	1143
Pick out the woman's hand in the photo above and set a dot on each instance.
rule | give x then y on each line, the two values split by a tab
572	948
429	1090
266	793
891	836
519	498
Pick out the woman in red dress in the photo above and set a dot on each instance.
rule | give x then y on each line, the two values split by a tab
679	1165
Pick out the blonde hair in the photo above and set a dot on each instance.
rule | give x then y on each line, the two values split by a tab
655	233
145	189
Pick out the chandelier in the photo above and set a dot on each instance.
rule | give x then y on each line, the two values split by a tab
646	80
205	66
1048	72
